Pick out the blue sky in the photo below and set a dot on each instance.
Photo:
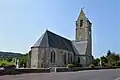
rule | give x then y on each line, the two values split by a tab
23	21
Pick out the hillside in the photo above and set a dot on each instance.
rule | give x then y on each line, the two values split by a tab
9	54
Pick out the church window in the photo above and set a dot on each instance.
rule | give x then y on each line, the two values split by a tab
65	58
69	58
78	59
52	57
81	23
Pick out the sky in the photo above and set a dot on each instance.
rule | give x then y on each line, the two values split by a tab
22	22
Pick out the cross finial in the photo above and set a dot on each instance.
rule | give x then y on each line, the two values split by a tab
82	8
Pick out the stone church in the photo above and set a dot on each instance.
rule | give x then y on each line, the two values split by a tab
52	50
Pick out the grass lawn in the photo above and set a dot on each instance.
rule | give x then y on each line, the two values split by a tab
5	62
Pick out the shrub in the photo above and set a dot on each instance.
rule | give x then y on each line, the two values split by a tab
10	67
118	64
3	65
70	65
91	65
107	65
114	64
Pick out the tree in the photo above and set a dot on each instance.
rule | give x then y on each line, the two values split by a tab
117	58
108	53
23	60
3	64
104	59
113	58
9	59
110	59
96	61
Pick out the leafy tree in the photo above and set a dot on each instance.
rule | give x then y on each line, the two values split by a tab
9	59
96	61
3	64
104	59
113	58
117	58
109	53
23	60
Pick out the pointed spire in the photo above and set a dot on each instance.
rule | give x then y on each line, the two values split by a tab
82	14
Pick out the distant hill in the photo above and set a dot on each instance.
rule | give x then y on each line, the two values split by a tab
9	54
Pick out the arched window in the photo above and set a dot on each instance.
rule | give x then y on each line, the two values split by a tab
52	57
65	58
69	58
78	59
81	23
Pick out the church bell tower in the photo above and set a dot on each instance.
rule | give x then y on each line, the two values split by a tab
84	37
83	28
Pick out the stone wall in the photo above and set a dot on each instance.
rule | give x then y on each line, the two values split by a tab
34	57
59	57
21	71
45	57
41	57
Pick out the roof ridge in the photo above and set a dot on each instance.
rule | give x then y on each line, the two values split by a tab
57	35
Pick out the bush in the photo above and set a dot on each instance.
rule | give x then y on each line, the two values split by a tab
114	64
70	65
91	65
107	65
3	65
10	67
118	64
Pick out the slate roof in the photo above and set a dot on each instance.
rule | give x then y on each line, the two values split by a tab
80	47
42	41
50	39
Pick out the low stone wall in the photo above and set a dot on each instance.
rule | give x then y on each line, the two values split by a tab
33	70
63	69
21	71
81	69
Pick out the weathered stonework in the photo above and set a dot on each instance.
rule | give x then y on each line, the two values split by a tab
41	57
52	50
83	33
